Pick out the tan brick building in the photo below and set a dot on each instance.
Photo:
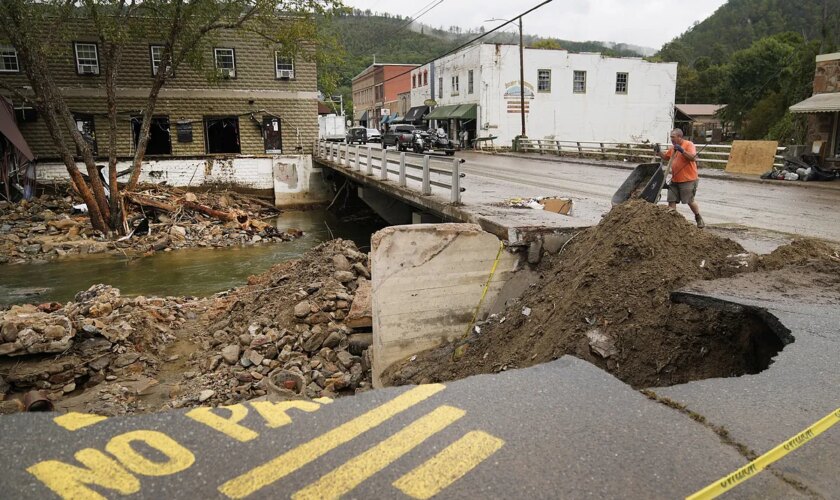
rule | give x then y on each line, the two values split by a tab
823	108
248	100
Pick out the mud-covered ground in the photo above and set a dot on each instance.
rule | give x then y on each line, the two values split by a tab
606	299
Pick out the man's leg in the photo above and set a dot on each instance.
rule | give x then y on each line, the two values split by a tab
694	207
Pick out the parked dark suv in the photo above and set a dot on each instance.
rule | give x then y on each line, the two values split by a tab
356	134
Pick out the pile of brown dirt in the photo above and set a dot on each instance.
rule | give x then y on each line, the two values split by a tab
606	299
801	251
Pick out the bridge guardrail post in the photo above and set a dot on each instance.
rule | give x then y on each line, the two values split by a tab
369	169
358	157
427	181
455	196
347	155
402	169
383	165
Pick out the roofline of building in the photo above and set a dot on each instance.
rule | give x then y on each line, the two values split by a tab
377	65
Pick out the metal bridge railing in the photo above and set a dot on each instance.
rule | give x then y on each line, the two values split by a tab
711	155
426	170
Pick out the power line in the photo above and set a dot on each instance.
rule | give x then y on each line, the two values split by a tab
469	42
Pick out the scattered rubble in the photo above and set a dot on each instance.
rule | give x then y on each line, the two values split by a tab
161	218
100	336
605	298
108	354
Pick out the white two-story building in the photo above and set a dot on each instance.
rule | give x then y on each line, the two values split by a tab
575	97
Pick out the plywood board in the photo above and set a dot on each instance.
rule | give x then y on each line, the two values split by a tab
751	157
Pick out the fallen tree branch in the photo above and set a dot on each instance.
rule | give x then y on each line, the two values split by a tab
148	202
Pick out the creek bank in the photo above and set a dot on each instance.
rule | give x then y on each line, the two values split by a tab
111	355
163	219
606	299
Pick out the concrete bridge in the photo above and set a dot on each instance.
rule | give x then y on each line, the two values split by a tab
730	204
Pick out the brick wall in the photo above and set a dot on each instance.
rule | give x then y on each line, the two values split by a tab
188	96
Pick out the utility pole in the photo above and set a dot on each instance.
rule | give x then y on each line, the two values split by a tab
522	76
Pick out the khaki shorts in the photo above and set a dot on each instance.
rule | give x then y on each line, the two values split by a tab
682	192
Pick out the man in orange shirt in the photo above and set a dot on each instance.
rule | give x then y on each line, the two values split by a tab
684	178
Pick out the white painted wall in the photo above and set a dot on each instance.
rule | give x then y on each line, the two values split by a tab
244	172
600	114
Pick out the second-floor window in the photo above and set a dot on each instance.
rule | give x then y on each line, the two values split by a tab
225	62
470	82
8	59
284	67
156	54
87	58
455	84
425	78
621	80
414	81
579	82
440	86
544	80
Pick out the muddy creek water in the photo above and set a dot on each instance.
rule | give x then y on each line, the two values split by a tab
196	272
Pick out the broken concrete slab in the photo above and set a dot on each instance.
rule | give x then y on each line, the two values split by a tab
428	280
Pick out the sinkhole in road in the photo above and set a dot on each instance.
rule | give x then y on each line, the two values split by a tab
701	342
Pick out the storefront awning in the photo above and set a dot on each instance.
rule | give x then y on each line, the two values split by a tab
456	112
465	112
441	112
364	117
416	113
820	103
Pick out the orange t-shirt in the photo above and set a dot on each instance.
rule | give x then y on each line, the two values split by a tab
683	170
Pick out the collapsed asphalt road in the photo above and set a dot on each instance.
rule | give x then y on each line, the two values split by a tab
565	429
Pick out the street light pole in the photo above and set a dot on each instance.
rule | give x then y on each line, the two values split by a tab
521	76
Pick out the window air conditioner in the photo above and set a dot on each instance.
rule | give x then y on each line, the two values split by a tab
227	73
87	69
285	74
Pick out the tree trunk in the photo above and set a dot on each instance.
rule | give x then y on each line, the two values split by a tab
113	61
143	140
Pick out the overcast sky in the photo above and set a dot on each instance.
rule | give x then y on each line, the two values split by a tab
649	23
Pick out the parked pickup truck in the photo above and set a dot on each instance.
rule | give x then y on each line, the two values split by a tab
399	136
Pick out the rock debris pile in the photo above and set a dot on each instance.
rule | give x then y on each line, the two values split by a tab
284	335
99	337
162	219
291	322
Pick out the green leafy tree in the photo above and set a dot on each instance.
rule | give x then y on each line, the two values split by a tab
35	27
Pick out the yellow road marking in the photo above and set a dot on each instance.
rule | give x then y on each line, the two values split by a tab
178	458
228	426
275	413
70	481
357	470
748	471
451	464
74	421
283	465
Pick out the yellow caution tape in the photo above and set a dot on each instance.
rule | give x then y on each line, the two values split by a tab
732	480
486	287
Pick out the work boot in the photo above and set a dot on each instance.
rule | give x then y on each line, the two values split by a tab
699	220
